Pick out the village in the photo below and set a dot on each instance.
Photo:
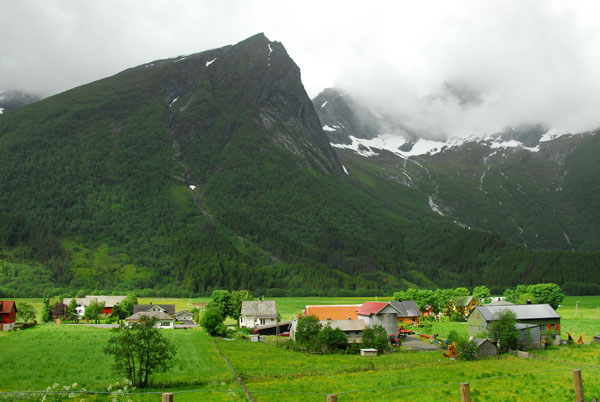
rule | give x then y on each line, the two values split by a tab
384	331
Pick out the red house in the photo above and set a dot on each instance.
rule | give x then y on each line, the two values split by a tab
8	315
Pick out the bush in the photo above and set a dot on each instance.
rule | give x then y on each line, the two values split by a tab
307	332
212	321
467	350
332	339
375	338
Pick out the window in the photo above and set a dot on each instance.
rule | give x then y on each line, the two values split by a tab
165	324
549	327
262	321
557	326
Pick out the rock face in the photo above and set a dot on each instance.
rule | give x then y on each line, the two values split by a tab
342	117
252	80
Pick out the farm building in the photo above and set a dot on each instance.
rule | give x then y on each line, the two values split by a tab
8	315
352	328
333	312
256	313
166	308
379	313
530	336
485	347
541	315
184	316
164	320
83	302
408	311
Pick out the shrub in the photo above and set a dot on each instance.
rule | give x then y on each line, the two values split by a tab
467	350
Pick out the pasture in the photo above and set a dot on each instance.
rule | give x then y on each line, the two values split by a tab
35	358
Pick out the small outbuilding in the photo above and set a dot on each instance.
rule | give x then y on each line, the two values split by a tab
368	352
353	329
486	347
184	316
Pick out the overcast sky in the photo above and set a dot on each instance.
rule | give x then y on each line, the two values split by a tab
528	61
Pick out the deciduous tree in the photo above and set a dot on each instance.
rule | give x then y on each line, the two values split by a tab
139	351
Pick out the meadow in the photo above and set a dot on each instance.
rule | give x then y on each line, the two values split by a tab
35	358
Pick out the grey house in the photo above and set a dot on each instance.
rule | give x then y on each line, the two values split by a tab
257	313
379	313
542	316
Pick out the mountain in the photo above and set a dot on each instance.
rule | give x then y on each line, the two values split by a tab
11	99
212	170
527	183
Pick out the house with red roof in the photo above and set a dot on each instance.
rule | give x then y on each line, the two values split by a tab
380	313
8	315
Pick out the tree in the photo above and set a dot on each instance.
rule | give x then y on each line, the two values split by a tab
237	297
424	298
332	339
222	299
26	312
307	331
549	293
46	310
467	350
139	351
504	330
93	311
376	338
119	313
482	294
127	304
72	310
212	321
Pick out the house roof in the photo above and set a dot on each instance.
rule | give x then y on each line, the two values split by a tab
522	311
159	315
183	312
169	308
345	325
258	308
333	312
481	341
406	308
370	307
6	306
109	301
500	303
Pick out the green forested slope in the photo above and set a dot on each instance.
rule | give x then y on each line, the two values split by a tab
211	171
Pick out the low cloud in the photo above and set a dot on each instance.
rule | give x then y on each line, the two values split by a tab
440	68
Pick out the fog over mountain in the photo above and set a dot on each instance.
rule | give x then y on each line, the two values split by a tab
439	68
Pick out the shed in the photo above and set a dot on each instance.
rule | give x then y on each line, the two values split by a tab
486	347
368	352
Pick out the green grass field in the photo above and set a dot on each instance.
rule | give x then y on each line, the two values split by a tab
35	358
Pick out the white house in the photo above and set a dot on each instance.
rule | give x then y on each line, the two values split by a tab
184	315
256	313
164	320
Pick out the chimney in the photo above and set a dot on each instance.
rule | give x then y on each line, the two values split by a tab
528	301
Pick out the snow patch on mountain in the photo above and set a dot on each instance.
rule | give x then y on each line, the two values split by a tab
208	63
1	110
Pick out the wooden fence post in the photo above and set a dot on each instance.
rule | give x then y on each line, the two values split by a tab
465	392
332	398
167	397
578	385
